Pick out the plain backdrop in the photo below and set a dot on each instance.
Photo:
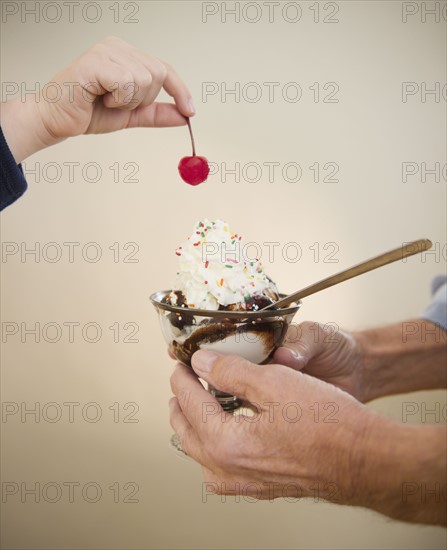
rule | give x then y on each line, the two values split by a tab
125	210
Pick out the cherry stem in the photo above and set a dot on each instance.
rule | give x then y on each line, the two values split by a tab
192	138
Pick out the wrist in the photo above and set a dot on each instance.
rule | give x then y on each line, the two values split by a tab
24	128
369	364
398	470
401	358
352	440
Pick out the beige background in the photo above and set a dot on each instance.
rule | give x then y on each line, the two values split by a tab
368	133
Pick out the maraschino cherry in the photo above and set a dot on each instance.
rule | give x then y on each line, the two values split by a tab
195	169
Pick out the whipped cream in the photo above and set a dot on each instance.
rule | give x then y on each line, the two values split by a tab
213	271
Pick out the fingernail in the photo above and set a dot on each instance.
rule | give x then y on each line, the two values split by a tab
296	355
203	361
191	107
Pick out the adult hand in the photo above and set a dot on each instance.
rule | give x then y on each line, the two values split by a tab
329	354
308	438
398	358
301	440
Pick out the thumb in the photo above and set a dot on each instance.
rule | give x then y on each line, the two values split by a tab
290	357
156	115
300	347
228	373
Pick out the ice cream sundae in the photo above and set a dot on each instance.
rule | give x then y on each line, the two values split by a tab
217	299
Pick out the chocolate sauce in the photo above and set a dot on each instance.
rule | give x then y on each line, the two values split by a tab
270	332
209	331
257	302
179	320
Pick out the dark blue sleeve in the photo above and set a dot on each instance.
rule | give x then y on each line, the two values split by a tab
12	181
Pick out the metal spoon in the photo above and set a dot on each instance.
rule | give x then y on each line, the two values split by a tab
399	253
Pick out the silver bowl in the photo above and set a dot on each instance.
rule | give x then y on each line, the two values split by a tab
254	335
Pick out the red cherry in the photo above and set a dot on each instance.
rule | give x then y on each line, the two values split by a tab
195	169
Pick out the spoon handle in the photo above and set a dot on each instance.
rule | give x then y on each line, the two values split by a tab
408	249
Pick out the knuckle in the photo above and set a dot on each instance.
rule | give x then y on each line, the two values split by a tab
323	330
294	333
172	421
144	79
312	333
98	49
173	409
112	39
159	71
183	398
162	72
172	401
173	381
307	326
167	66
185	443
127	78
